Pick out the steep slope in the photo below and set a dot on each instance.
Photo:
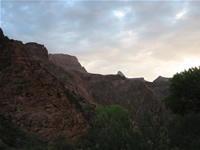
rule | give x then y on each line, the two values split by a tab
33	97
52	97
141	98
67	62
131	94
161	79
135	94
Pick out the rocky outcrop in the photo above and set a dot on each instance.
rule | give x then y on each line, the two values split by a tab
161	79
58	96
135	95
120	74
67	62
140	79
37	51
35	97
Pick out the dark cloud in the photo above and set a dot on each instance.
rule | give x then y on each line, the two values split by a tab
147	38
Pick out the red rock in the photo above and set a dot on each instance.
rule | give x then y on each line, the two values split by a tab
34	97
57	96
67	62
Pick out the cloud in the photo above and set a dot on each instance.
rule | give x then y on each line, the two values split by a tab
147	38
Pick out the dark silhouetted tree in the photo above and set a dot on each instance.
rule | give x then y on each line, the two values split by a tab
185	92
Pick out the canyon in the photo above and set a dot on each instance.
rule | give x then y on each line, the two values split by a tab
52	94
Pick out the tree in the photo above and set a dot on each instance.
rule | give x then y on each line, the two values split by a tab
184	132
112	129
185	92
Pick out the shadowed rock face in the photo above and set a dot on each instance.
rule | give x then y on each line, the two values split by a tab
37	51
161	79
135	95
67	62
57	96
34	97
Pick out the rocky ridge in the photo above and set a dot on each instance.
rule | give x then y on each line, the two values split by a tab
33	97
67	62
52	94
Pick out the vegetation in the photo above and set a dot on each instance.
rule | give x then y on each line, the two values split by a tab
112	127
184	102
185	92
13	138
184	132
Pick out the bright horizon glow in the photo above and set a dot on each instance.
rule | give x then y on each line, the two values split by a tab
187	63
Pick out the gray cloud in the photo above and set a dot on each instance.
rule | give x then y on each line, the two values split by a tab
147	38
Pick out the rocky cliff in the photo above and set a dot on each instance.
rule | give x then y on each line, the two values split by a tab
135	95
53	94
67	61
35	97
161	79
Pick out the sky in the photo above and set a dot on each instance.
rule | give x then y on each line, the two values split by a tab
139	38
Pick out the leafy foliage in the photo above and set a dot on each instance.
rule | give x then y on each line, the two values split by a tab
185	92
184	132
112	129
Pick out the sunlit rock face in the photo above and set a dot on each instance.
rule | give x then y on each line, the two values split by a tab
34	96
67	62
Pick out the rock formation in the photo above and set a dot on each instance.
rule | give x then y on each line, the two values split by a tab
53	94
135	95
34	97
161	79
120	74
67	62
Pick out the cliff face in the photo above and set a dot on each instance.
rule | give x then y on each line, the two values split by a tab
57	96
135	95
67	62
34	97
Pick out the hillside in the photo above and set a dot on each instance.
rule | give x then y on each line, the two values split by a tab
52	94
34	96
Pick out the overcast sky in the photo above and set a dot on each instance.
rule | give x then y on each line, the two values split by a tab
140	38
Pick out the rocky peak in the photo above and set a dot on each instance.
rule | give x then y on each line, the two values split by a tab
161	79
120	73
2	37
1	33
67	62
35	97
37	51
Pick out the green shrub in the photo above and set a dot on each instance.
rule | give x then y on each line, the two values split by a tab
112	129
